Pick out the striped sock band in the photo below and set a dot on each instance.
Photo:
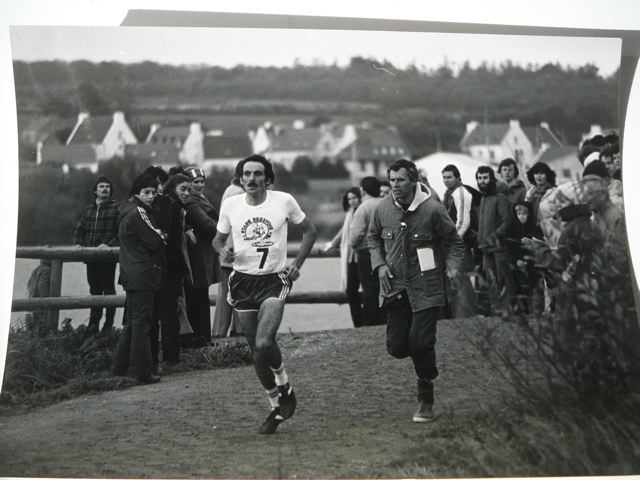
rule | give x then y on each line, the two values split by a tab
281	375
273	397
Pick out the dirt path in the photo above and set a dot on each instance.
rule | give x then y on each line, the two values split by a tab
353	417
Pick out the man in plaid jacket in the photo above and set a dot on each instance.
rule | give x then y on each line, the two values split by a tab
98	227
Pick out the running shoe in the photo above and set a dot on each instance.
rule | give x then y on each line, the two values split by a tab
270	425
424	414
287	400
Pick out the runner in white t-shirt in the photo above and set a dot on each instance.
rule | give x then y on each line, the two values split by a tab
261	278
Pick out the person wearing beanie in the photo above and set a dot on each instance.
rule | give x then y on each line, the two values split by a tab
98	227
142	258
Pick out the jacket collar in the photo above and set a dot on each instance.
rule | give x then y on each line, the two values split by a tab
420	197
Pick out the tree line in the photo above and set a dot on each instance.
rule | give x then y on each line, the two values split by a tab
429	107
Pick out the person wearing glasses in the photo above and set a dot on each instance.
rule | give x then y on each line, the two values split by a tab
415	250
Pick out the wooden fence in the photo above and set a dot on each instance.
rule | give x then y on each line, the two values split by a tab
59	255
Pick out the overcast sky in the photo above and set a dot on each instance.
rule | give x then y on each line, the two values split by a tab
271	47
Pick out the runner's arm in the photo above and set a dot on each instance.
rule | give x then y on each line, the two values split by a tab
220	246
309	235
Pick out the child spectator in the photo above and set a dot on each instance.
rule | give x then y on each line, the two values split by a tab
525	274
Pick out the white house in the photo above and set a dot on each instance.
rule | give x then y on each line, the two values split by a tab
493	142
92	140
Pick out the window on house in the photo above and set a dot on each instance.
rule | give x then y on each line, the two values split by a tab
515	140
376	151
400	151
566	173
392	150
384	150
492	154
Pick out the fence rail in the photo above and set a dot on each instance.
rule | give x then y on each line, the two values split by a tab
60	254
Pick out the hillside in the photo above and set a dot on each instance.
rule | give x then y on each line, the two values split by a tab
429	108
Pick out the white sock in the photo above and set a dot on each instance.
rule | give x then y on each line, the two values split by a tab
281	375
273	397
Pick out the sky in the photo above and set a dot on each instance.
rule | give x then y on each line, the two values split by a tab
228	47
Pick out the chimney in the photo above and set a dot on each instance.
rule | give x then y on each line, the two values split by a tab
118	118
514	124
154	128
471	126
82	116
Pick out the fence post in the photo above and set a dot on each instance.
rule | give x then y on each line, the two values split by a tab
55	289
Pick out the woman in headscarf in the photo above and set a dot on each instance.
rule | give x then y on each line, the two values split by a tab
202	219
349	279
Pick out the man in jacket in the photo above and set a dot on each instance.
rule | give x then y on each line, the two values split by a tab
98	227
414	248
494	221
370	188
512	187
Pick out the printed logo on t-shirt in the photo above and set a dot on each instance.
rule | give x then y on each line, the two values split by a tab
258	231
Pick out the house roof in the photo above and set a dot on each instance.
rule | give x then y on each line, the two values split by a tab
43	129
379	143
174	132
158	154
91	131
483	134
69	154
295	139
552	154
221	147
538	135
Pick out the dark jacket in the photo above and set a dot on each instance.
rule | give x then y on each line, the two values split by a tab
98	224
142	248
517	231
203	218
177	267
515	193
494	220
394	245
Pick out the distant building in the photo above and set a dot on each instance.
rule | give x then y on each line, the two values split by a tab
492	142
187	141
224	151
367	150
92	140
431	166
284	144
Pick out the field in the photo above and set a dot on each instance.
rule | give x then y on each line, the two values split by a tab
317	275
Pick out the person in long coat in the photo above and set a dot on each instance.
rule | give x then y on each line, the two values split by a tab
202	219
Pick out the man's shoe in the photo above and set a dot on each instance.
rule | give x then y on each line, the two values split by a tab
424	414
270	425
287	400
147	379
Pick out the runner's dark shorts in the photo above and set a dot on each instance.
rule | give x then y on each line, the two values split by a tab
247	292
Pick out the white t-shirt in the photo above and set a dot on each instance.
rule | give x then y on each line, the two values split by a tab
259	231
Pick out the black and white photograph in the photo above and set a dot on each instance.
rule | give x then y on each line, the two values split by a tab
319	253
